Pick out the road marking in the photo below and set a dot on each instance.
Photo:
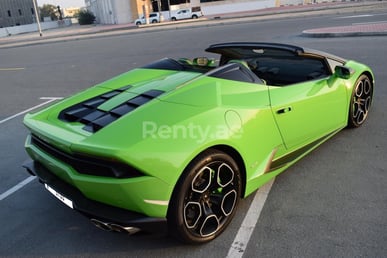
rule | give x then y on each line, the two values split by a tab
12	69
355	16
49	100
242	238
16	187
28	179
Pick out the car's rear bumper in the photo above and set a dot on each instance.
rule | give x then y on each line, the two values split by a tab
93	209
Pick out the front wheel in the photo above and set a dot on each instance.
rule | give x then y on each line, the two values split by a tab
205	198
361	99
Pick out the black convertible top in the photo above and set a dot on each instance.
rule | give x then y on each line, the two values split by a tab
248	49
241	50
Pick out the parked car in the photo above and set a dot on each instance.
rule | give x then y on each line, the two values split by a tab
193	13
181	141
153	18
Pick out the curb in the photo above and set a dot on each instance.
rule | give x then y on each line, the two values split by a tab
342	34
358	30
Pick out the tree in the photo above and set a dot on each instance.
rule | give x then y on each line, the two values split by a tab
49	10
85	17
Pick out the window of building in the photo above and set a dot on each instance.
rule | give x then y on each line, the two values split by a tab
32	11
9	13
205	1
20	12
164	4
175	2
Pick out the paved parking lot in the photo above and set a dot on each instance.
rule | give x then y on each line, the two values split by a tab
332	203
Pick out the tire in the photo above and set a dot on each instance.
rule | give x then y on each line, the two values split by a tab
205	198
361	100
154	21
173	19
194	16
138	23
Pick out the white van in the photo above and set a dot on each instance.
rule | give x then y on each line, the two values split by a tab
153	18
193	13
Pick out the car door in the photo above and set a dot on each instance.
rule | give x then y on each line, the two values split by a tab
307	111
184	14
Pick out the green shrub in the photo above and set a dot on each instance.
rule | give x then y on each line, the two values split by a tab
86	17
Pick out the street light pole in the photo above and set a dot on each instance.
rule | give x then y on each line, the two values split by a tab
37	17
169	8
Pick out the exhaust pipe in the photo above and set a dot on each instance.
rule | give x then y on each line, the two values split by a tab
122	229
114	227
101	225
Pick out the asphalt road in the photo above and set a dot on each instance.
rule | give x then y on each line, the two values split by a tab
333	203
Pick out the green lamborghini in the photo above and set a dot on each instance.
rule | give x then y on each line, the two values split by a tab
179	142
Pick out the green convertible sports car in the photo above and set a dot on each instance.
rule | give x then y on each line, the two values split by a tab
180	142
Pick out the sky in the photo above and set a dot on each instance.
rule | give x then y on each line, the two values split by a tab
63	3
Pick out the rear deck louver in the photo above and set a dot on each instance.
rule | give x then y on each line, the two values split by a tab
94	119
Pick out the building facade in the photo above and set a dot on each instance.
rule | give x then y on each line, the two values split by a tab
70	12
113	11
126	11
16	12
228	6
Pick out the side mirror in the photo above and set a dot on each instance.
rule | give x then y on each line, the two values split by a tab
344	72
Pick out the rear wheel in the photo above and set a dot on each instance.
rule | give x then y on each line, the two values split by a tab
205	198
361	99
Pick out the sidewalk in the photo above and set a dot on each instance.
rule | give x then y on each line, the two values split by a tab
77	32
371	29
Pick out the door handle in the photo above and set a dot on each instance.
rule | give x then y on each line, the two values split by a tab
284	110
